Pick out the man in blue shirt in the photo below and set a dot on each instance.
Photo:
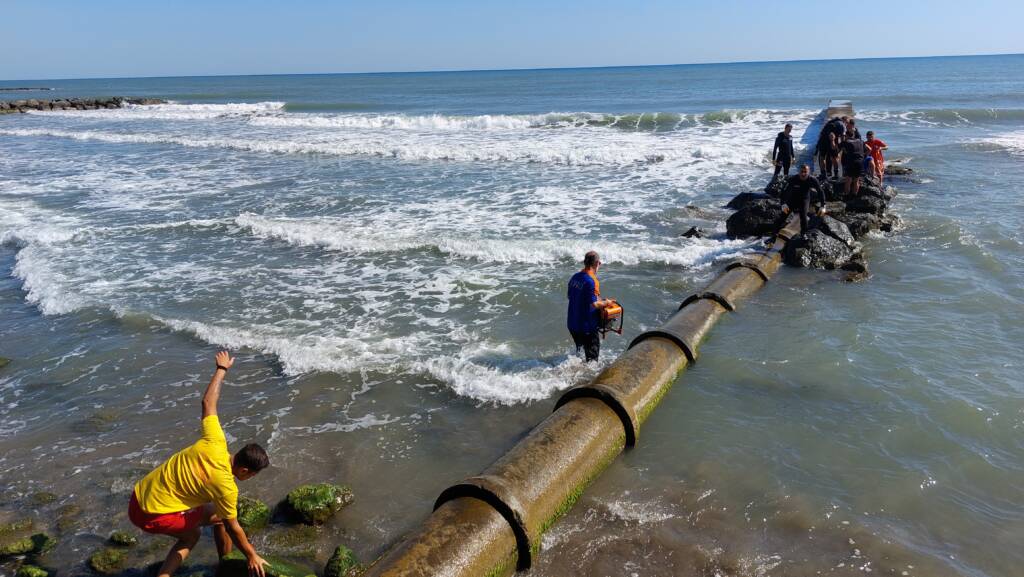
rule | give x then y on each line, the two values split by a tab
585	304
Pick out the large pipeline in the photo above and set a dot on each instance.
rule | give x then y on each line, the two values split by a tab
491	524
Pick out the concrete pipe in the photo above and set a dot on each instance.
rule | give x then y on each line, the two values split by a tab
492	524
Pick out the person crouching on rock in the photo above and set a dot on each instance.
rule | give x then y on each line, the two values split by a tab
196	487
585	304
782	152
797	195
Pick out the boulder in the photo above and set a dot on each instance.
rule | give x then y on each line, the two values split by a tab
757	218
253	514
38	544
40	498
859	223
694	232
234	564
315	504
872	188
123	539
16	526
744	198
815	249
834	228
31	571
866	204
898	170
107	561
776	187
856	269
343	563
835	208
4	361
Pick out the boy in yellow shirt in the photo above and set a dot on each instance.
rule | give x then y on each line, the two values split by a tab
196	487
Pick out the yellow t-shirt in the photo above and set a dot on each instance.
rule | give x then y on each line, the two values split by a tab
193	477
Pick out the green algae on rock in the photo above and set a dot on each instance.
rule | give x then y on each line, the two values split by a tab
343	563
123	539
234	564
4	361
294	541
315	504
43	498
37	544
253	514
31	571
16	526
107	561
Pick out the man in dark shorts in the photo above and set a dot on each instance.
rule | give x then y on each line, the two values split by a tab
196	487
585	304
852	152
782	152
797	195
827	151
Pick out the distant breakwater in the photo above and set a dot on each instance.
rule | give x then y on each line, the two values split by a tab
13	106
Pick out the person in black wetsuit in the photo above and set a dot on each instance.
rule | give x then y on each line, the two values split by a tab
852	152
851	124
828	146
797	195
782	152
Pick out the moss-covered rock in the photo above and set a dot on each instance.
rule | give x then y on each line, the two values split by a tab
42	543
4	361
22	546
123	539
107	561
15	526
42	498
315	504
343	564
31	571
234	564
253	514
68	517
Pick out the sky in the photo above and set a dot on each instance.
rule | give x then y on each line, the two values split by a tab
115	38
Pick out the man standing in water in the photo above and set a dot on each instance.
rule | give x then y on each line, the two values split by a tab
196	487
585	304
797	195
782	152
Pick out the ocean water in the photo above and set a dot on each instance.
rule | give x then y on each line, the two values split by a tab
387	255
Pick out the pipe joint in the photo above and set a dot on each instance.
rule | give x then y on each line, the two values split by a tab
615	401
749	265
714	296
496	493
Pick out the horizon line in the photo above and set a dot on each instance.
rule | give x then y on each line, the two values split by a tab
522	69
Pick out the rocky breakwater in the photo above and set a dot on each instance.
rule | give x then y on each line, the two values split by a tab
832	241
27	105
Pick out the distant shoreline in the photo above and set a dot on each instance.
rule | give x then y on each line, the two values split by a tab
24	89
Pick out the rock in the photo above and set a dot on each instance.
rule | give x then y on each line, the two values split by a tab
16	526
343	563
38	544
856	269
872	188
898	170
833	228
253	514
31	571
4	361
757	218
744	198
776	187
42	498
694	232
107	561
101	421
815	249
123	539
315	504
835	208
234	564
888	222
22	546
859	224
866	204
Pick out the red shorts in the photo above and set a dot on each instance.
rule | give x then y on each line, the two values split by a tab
164	523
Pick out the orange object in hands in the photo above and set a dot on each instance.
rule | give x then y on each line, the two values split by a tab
611	319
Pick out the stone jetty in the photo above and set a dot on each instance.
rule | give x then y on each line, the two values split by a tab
26	105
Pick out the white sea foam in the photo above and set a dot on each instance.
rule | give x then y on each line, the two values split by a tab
1012	142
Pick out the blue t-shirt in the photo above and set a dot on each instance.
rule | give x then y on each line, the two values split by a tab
583	317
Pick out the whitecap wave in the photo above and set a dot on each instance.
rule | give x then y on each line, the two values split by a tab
171	111
1012	142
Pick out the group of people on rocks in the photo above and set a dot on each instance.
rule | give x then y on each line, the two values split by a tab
841	153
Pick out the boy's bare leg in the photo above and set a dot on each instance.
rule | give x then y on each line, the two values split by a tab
220	534
179	552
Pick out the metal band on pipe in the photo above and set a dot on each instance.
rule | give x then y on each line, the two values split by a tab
710	296
751	266
610	397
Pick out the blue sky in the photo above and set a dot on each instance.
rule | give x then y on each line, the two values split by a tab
112	38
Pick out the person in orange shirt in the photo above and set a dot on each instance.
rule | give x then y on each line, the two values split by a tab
875	147
196	487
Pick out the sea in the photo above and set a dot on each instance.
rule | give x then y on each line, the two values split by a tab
387	257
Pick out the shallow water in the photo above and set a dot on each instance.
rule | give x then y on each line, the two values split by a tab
387	254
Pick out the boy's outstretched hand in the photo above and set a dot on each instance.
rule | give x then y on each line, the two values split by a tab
224	360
